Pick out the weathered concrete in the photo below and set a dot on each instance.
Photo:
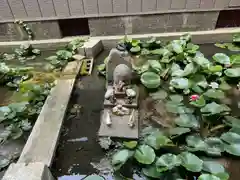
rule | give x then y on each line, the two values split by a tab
171	22
42	30
25	171
42	141
91	48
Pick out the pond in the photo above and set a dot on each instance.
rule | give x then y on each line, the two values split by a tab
26	80
79	153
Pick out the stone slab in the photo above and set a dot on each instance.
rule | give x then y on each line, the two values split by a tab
31	171
119	127
42	142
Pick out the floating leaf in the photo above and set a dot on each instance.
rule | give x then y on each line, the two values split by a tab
233	72
214	146
176	70
64	54
214	93
236	38
214	108
235	130
222	176
130	144
189	69
179	83
202	61
231	137
232	121
216	68
233	149
176	98
187	120
224	86
235	59
161	51
135	49
220	45
159	95
191	162
208	177
178	131
200	102
144	154
196	142
176	46
120	158
168	161
150	80
155	65
157	140
151	171
36	51
213	167
221	58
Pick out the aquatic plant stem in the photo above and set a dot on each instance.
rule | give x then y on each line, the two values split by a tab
216	128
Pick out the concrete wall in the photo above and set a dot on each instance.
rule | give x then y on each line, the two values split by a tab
33	10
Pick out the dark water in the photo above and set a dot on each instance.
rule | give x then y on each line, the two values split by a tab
74	158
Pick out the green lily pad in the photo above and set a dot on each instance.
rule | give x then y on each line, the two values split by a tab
176	98
214	146
221	58
232	72
216	68
157	140
179	83
224	86
135	49
155	65
232	121
161	51
208	177
4	162
168	161
130	144
191	162
196	142
188	121
189	69
151	171
214	93
144	154
214	108
178	131
120	158
159	95
220	45
235	59
236	38
231	137
150	80
233	149
213	167
202	61
176	46
222	176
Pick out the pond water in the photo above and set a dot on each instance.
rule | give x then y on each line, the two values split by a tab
79	151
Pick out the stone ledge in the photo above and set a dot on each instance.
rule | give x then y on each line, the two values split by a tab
42	142
91	48
31	171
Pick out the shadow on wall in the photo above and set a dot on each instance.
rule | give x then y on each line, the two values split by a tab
228	18
74	27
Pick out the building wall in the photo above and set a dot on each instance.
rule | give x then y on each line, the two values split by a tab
34	10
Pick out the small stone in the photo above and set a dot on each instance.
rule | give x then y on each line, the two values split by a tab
78	57
108	93
130	93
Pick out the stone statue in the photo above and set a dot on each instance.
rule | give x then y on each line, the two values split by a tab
118	69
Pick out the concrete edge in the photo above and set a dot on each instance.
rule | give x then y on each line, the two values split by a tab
42	142
31	171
